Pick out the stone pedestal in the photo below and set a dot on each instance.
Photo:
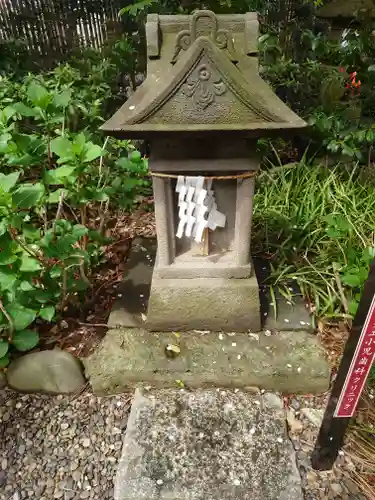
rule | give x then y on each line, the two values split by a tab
207	445
204	304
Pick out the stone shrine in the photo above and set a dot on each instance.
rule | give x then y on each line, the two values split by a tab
202	107
200	428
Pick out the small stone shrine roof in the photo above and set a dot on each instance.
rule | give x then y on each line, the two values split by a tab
202	77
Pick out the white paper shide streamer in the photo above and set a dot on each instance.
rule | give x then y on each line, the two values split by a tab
197	207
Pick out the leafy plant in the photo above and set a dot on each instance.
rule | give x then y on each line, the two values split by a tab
58	182
137	7
317	227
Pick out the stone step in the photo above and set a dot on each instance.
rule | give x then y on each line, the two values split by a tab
207	445
290	362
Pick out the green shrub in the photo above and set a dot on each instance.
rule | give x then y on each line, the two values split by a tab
59	181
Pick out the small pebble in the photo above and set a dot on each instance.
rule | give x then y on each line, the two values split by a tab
57	447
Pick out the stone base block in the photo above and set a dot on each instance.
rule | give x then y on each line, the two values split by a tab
204	304
130	309
207	445
288	362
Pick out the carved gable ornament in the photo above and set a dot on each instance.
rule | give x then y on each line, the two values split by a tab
202	77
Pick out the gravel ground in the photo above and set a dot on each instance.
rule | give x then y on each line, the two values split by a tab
304	416
63	447
67	447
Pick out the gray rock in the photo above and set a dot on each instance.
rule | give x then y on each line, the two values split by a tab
205	445
74	465
3	478
314	415
86	442
336	489
46	371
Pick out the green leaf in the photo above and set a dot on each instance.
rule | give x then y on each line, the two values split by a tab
79	144
23	109
61	146
4	140
26	286
4	361
62	100
79	230
31	233
93	152
8	112
100	196
3	226
55	196
29	264
133	9
22	316
36	93
3	348
7	182
9	250
55	271
25	340
58	175
347	150
28	195
353	307
47	313
136	157
352	280
7	278
42	296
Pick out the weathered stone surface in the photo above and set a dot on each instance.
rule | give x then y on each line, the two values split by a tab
207	445
287	361
289	314
130	310
46	371
211	303
134	291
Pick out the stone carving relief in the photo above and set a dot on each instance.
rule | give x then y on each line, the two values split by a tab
203	86
204	23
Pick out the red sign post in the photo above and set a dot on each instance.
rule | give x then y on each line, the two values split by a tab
359	368
351	377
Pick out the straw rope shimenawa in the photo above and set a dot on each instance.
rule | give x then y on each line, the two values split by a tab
245	175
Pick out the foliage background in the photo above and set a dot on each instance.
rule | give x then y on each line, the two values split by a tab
61	179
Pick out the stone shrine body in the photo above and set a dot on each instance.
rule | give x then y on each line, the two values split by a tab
202	108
